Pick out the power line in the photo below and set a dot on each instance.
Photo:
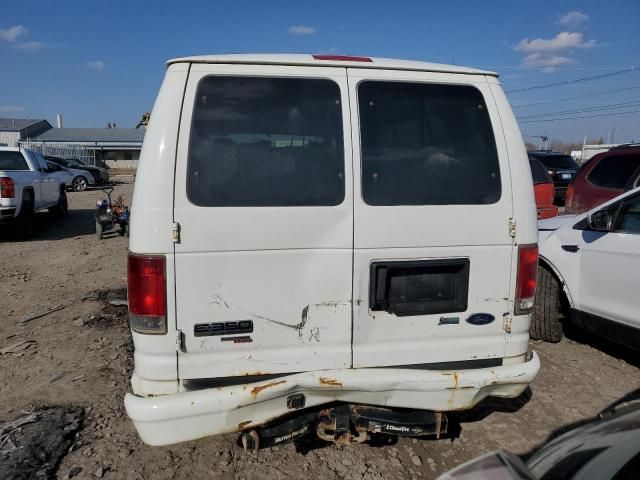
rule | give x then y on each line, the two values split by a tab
576	80
576	118
577	97
584	110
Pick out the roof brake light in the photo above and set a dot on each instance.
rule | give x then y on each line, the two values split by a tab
342	58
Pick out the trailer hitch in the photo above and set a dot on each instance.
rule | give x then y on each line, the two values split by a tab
345	424
353	423
285	432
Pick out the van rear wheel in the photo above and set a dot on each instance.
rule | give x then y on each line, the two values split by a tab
545	322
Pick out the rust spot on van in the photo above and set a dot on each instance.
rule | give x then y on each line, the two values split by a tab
256	390
241	425
455	380
330	381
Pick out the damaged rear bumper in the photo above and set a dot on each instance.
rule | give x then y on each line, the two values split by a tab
184	416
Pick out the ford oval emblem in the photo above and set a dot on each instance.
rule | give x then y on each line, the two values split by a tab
480	319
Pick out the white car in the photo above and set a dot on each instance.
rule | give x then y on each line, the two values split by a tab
76	180
27	185
591	264
346	242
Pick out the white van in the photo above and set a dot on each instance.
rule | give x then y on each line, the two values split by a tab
327	245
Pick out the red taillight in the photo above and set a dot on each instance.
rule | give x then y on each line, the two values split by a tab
147	293
527	278
342	58
568	198
7	188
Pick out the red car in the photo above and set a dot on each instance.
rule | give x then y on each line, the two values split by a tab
604	177
543	188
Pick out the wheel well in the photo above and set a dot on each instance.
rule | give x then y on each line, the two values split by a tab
28	192
565	300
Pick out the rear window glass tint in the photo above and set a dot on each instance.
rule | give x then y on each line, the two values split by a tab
539	172
12	161
266	142
614	171
559	162
426	144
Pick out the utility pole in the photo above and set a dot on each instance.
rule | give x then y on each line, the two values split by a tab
613	131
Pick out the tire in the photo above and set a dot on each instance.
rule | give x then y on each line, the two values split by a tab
99	230
24	220
79	184
545	322
62	208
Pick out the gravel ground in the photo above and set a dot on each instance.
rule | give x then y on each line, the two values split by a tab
81	356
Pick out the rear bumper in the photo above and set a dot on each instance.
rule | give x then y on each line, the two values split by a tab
184	416
7	213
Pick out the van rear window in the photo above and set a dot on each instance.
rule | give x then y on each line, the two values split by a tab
259	141
426	144
12	161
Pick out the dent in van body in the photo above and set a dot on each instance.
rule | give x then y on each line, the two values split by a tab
323	310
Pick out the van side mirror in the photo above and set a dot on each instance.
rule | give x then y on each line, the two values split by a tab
601	221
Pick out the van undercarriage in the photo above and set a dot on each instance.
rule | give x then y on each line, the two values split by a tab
344	424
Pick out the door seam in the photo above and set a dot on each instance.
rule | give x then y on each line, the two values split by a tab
354	303
173	216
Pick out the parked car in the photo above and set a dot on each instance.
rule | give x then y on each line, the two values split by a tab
591	261
27	185
561	167
543	189
604	177
352	239
100	175
76	180
604	448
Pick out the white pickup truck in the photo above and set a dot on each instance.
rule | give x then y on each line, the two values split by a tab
28	185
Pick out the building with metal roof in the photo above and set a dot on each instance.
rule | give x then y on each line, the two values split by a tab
12	130
111	147
112	136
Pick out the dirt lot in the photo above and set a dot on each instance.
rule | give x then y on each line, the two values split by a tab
81	356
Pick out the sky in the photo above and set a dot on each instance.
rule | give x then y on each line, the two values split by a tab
96	62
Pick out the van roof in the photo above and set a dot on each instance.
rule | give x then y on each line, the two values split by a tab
331	61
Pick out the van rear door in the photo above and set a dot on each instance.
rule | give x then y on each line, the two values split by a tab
263	199
432	203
